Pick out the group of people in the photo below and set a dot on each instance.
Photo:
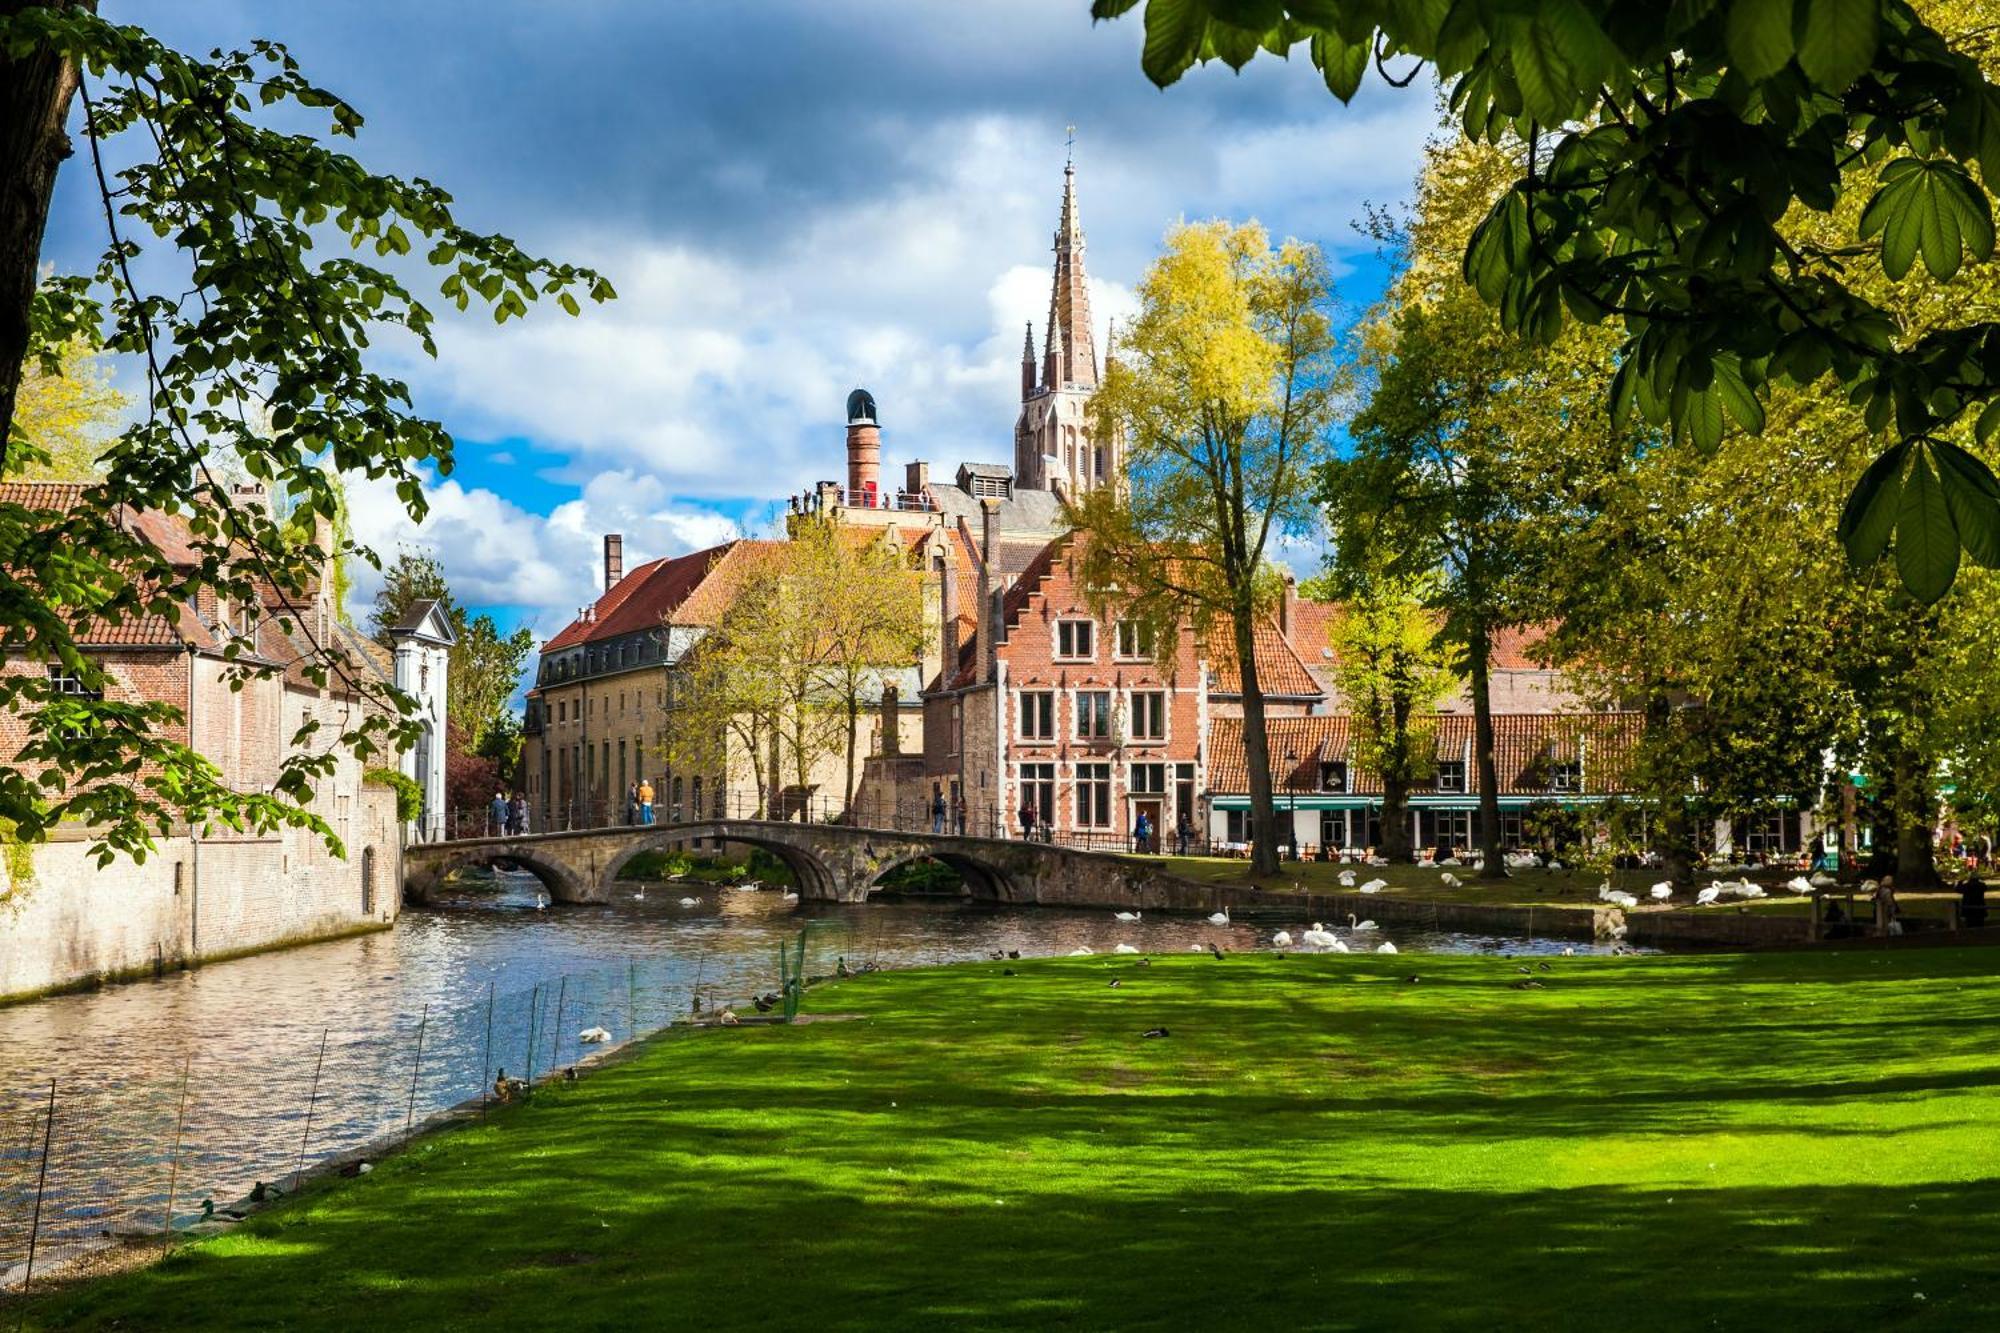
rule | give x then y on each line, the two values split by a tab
639	802
939	812
508	815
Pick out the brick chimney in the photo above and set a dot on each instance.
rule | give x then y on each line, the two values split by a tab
916	476
892	731
614	560
1288	606
989	522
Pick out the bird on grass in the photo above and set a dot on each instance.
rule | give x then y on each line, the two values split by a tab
1526	985
765	1003
1282	940
1412	979
1545	967
1216	951
1082	951
1115	983
1124	948
1014	953
1007	972
1385	947
1522	970
1154	1032
727	1016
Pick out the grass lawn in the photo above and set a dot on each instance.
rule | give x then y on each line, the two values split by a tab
1772	1141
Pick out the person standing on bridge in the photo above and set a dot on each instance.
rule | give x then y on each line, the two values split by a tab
958	815
937	811
517	815
645	801
497	814
1028	820
631	803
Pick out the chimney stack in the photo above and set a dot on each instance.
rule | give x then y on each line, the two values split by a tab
1287	606
989	520
916	476
947	614
864	450
892	732
614	560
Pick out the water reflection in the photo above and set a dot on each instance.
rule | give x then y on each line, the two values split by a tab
490	980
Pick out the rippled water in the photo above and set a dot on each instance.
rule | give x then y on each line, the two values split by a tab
491	981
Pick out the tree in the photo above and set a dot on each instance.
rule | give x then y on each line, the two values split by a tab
1670	146
1224	391
724	695
485	665
247	316
64	418
1391	676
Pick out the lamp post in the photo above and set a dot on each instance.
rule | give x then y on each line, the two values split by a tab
1291	802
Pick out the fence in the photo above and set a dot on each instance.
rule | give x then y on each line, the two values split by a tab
88	1160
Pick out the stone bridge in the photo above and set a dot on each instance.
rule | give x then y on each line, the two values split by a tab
829	862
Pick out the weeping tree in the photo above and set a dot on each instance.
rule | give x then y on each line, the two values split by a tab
1223	391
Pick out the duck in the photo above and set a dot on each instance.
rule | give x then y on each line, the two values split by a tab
592	1036
1122	947
1219	918
1385	947
1282	940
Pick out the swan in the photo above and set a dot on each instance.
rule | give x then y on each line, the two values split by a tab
1219	918
541	902
1555	864
690	902
1321	938
1568	951
1124	948
1708	895
1125	916
1385	947
1662	891
1339	945
1376	860
1082	951
748	886
1800	884
1282	940
1347	879
591	1036
1449	880
639	897
1375	886
1822	880
1352	924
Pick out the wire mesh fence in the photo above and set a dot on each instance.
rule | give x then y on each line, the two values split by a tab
250	1116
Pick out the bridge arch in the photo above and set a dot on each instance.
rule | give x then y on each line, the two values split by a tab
557	877
815	879
984	880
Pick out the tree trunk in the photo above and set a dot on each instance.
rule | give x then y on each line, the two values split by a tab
35	93
853	730
1676	829
1256	750
1916	863
1478	650
1396	843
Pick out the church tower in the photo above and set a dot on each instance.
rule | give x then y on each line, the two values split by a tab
1053	446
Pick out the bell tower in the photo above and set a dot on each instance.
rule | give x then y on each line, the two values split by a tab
1053	445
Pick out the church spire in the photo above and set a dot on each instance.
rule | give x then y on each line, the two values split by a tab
1069	299
1028	363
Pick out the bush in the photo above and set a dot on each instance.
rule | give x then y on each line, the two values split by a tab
409	796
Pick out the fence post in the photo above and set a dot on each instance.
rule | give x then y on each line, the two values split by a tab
555	1046
486	1058
180	1123
632	1000
41	1185
416	1067
312	1104
534	1015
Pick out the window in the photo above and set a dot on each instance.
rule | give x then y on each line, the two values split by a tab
694	797
1038	715
1135	640
1149	779
1093	795
1451	775
1076	639
1333	775
562	710
69	684
1093	715
1038	790
1566	775
367	880
1149	716
1184	791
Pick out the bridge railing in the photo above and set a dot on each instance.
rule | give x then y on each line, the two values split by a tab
907	817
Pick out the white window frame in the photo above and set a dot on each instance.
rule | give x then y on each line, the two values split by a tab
1461	786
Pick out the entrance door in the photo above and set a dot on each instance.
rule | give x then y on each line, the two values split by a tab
1151	808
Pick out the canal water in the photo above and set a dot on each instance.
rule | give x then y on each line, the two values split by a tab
201	1084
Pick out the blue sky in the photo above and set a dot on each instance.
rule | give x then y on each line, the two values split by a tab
792	197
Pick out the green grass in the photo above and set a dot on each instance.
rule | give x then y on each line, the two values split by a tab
1776	1141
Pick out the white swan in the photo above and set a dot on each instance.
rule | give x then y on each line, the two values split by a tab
1124	948
1708	895
1799	884
1125	916
748	886
1385	947
541	902
1347	879
1083	951
1449	880
639	897
1320	938
1352	924
1662	891
1375	886
1282	940
789	896
1219	918
1568	951
1339	945
591	1036
690	902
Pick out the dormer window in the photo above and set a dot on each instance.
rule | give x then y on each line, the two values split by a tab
1451	775
1566	775
1333	775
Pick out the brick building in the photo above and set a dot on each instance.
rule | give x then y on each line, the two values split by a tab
208	892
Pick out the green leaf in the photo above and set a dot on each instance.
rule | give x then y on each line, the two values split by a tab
1548	88
1837	40
1759	36
1972	494
1870	514
1174	30
1341	63
1989	421
1926	542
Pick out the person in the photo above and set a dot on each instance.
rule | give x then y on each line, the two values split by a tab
958	815
497	814
645	801
937	811
1142	832
631	803
517	815
1027	821
1183	833
1886	922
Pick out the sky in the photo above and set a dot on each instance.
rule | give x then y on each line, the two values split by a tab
793	198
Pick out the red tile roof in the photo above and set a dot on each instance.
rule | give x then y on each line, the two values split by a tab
1522	744
641	600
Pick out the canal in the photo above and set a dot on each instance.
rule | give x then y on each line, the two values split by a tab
202	1083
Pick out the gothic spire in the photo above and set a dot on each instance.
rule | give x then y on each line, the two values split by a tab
1069	298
